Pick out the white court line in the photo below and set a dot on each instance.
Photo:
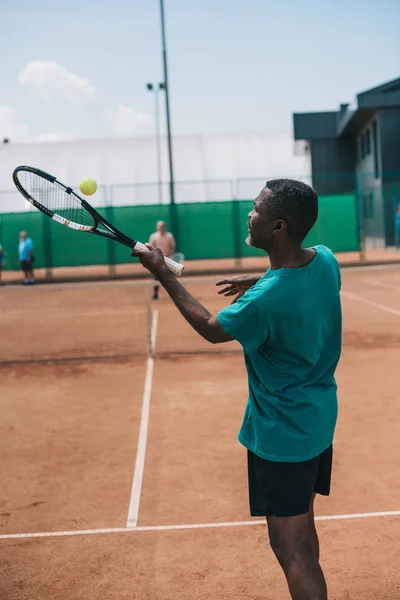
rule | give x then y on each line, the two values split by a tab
144	426
361	267
392	311
382	285
154	327
10	536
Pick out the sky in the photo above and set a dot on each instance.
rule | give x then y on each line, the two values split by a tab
78	69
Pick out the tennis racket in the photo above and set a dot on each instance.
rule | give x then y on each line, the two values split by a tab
61	203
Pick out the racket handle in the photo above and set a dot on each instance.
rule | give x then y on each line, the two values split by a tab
175	267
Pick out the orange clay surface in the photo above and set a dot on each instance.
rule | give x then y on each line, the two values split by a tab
69	435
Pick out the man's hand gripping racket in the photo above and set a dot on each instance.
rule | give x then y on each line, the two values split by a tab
152	258
63	205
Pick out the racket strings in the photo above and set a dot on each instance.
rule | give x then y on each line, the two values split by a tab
53	197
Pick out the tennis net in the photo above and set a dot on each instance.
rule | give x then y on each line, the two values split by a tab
101	320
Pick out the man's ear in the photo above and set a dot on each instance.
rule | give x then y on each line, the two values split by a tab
280	226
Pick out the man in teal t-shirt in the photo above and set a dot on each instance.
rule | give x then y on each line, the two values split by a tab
289	325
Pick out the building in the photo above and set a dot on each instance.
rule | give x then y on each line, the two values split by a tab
356	149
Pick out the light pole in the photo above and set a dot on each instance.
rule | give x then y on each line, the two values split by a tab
174	220
156	89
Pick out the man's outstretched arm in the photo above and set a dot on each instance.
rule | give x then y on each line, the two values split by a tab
195	313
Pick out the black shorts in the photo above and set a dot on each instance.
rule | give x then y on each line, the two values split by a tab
284	489
26	265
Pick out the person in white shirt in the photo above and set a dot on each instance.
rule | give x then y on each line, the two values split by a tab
165	241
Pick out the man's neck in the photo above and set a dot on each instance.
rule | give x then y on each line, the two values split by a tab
290	258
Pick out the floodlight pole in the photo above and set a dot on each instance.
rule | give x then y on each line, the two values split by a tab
173	216
156	89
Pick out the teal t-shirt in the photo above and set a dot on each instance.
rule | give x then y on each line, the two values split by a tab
290	327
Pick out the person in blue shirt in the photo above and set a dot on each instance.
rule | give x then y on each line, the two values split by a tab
289	325
25	255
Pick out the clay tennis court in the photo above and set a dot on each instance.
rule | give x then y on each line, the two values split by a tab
194	267
122	477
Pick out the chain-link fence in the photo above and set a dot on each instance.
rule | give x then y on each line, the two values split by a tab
209	219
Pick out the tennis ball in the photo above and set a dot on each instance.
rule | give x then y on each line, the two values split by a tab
88	186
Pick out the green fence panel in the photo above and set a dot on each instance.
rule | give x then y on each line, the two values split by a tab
138	222
206	230
336	226
71	248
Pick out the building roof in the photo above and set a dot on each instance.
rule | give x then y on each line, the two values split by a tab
377	98
346	121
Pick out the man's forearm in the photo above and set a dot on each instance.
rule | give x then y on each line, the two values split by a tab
194	312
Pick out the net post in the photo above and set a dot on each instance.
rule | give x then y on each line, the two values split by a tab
47	246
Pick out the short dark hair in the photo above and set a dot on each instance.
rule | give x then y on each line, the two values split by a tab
294	202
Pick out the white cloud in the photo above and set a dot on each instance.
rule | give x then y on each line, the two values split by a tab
126	121
10	127
58	135
51	80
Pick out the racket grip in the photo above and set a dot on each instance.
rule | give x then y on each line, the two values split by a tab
175	267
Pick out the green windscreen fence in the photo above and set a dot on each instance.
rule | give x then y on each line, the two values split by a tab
138	222
337	225
207	230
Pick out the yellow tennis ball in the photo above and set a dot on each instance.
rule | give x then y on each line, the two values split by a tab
88	186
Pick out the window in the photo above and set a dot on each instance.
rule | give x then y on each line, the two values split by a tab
375	147
368	142
362	146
